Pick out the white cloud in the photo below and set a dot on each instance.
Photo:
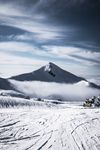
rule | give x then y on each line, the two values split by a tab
89	54
33	24
27	21
15	46
25	36
6	58
84	56
73	92
9	9
61	51
41	31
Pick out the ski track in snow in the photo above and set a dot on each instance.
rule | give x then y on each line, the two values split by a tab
73	128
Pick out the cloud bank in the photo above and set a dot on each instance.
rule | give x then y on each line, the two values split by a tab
67	92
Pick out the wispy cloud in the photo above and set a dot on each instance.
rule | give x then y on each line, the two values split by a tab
15	46
23	49
11	64
76	54
71	53
37	30
9	9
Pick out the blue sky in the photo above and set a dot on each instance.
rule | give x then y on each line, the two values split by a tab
33	33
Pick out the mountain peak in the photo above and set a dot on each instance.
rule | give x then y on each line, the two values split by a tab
50	73
49	66
52	64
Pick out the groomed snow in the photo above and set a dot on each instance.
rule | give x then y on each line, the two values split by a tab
67	127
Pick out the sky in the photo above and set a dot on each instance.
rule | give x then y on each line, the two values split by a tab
35	32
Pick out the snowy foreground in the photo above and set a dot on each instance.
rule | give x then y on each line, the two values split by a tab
63	127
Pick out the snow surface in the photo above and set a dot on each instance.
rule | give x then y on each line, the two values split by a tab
47	67
67	127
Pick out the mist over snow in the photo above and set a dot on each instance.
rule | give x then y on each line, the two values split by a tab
68	92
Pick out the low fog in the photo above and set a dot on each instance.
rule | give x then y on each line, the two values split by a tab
67	92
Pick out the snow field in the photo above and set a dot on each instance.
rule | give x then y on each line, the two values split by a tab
69	128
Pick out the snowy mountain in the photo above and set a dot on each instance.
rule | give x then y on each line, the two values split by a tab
43	77
49	73
52	73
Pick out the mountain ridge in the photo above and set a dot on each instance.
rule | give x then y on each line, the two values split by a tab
49	73
53	73
5	84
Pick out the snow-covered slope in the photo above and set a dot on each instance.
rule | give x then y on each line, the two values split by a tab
13	93
70	128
